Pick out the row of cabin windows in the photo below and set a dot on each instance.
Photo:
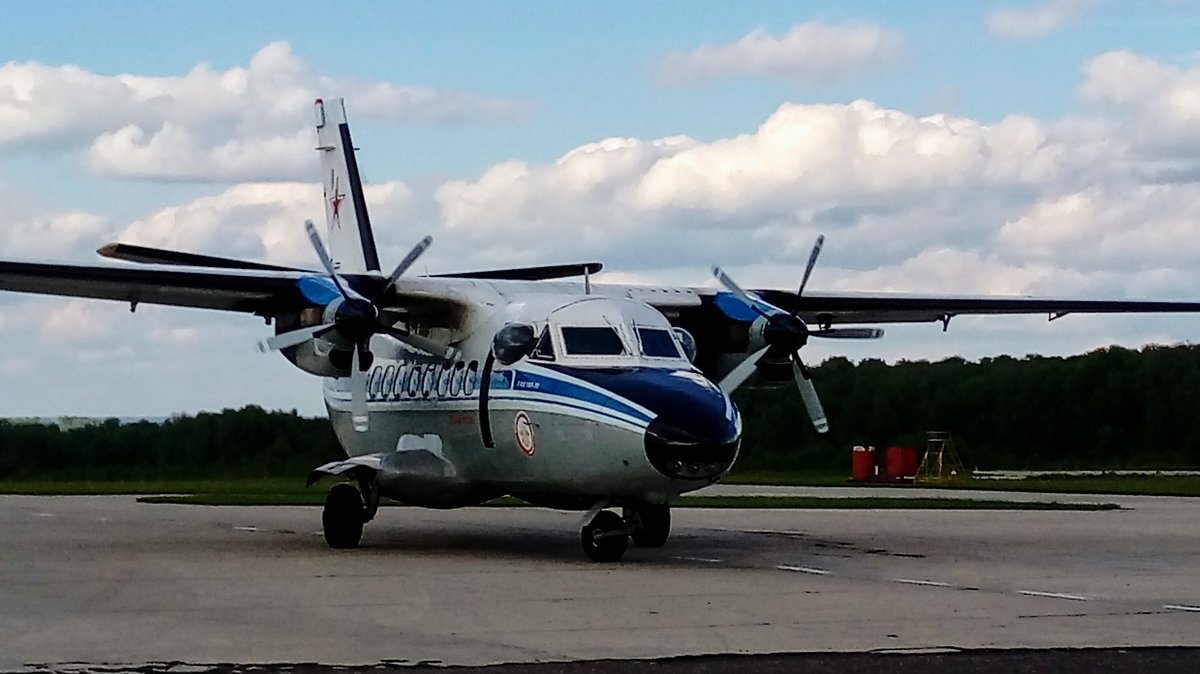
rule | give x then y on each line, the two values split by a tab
413	380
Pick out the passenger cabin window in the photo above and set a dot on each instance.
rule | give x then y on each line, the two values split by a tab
657	343
544	350
592	342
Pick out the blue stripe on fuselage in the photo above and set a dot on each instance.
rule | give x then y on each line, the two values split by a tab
552	386
571	407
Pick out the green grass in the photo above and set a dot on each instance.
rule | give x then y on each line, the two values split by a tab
282	489
1049	483
137	487
317	497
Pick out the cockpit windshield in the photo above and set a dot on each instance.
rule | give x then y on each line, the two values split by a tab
592	341
657	343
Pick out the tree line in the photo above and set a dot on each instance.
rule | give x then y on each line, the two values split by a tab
1109	409
1113	408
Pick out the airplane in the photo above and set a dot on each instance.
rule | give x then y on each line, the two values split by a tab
451	390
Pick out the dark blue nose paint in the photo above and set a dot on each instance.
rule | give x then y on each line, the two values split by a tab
694	434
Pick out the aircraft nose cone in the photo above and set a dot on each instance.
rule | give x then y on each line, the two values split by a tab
696	434
680	454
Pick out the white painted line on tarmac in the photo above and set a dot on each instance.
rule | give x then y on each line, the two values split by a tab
914	581
803	569
706	560
1182	607
1053	595
245	528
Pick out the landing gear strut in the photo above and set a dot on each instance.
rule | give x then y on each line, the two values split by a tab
650	524
605	538
344	516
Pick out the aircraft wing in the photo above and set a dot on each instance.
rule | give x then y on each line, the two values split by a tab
259	292
255	291
818	308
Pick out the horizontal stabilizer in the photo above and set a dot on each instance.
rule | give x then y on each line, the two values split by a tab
544	273
145	255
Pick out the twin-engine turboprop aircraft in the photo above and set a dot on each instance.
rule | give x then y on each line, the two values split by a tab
448	391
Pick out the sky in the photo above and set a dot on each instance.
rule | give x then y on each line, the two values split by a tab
1044	148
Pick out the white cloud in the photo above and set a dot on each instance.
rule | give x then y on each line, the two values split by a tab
812	51
260	221
1164	99
221	126
53	235
872	173
1121	228
1038	20
79	321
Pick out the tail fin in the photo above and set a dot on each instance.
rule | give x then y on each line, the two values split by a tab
351	242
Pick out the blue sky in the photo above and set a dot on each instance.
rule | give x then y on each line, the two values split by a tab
565	75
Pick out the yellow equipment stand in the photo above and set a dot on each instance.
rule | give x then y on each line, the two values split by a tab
941	462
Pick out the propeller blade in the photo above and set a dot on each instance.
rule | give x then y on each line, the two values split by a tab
408	261
315	238
847	333
738	375
358	394
438	350
294	337
746	298
812	262
808	393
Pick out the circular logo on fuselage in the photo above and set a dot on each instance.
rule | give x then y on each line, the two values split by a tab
523	428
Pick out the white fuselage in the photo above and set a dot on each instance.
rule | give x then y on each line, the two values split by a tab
607	407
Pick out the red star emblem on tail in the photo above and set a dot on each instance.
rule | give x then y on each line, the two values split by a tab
336	200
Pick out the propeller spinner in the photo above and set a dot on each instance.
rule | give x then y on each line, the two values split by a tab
785	334
355	319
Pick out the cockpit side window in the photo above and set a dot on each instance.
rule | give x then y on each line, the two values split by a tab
592	341
544	350
657	343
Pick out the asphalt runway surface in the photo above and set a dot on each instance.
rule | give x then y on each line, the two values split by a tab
108	584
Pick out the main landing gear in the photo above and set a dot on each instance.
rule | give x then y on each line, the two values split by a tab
346	511
651	524
606	537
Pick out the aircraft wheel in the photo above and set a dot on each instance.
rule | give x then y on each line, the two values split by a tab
343	517
651	524
604	538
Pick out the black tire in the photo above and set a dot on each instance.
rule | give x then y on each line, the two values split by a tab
343	517
651	524
604	538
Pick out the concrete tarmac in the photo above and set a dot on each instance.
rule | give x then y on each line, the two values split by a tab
108	580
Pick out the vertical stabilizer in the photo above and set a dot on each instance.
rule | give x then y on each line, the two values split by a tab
351	243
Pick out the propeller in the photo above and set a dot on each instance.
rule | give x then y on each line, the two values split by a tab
785	334
355	319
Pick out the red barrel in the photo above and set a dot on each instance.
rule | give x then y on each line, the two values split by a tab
863	463
901	463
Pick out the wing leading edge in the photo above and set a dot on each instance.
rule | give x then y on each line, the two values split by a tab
261	292
842	308
258	291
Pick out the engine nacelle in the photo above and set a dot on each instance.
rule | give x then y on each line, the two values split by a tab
771	370
327	356
321	357
757	335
